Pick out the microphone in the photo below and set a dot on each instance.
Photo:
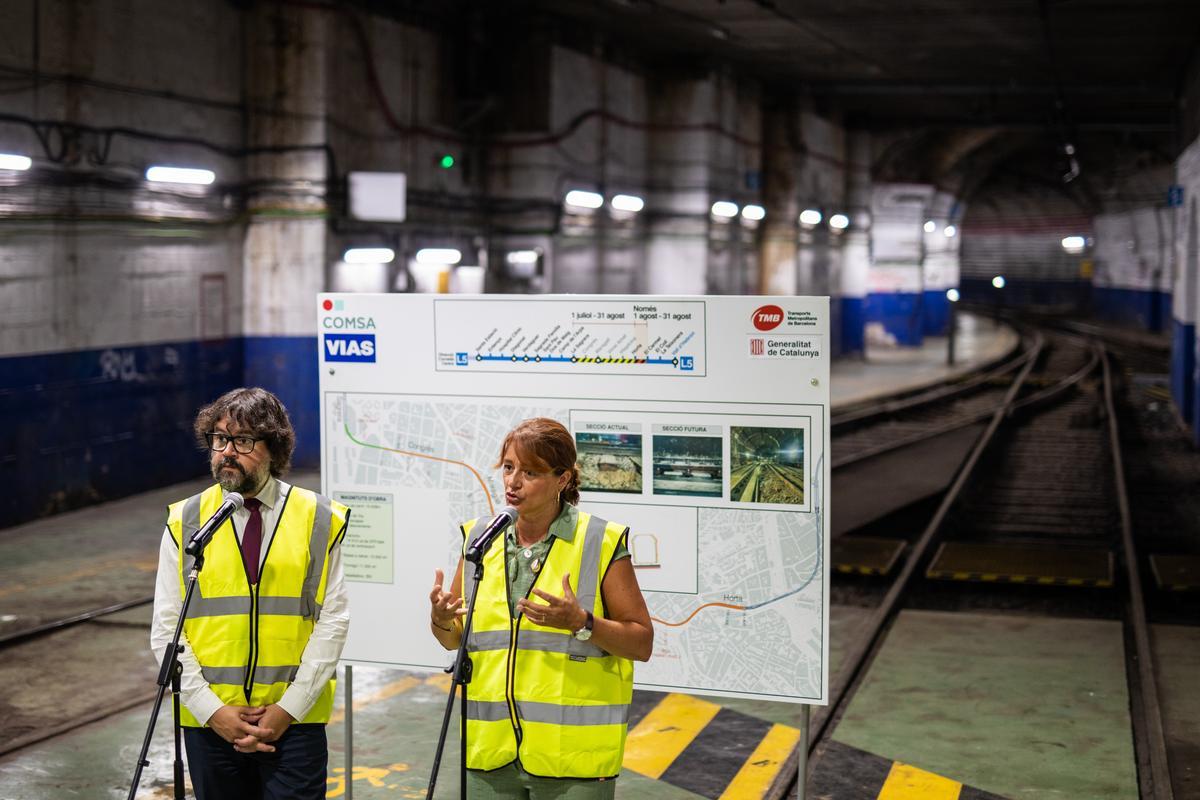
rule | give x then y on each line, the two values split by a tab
233	501
507	516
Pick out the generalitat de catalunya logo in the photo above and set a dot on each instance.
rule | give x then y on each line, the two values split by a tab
767	318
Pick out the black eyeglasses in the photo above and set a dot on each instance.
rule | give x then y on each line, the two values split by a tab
219	441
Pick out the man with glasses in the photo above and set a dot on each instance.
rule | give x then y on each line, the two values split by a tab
268	619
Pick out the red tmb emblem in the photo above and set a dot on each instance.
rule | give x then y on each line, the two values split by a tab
767	317
757	347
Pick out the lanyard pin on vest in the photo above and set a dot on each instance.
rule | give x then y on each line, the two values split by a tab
460	670
170	670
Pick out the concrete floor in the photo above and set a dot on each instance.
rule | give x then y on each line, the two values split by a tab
1177	652
888	369
1030	708
1017	706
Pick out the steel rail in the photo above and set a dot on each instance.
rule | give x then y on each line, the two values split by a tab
1155	741
862	655
864	650
941	392
973	419
18	637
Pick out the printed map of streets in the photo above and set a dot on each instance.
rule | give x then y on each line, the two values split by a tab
760	590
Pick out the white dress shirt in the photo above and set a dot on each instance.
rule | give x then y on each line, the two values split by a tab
324	647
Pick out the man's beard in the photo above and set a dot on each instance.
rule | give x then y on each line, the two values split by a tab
236	479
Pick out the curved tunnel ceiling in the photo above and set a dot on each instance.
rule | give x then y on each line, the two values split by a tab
963	83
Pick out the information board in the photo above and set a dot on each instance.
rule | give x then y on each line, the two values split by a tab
701	423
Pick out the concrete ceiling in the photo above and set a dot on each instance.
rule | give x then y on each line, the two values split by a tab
959	89
883	63
966	91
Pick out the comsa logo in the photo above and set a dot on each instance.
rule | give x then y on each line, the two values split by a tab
767	317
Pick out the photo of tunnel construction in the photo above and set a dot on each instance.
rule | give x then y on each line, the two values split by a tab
687	465
610	462
766	465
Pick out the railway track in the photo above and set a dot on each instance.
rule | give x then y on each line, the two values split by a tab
767	482
1045	476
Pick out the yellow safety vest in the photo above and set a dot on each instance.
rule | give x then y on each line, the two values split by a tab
537	693
249	639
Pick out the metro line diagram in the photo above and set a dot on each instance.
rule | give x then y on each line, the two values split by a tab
682	362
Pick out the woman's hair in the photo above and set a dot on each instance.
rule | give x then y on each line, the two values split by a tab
257	413
546	444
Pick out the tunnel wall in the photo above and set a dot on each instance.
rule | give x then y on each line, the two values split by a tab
129	305
1133	266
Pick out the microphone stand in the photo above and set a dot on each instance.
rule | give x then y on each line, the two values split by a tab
168	675
461	672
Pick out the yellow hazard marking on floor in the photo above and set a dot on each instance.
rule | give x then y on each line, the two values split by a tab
379	777
906	782
666	732
390	690
760	769
441	680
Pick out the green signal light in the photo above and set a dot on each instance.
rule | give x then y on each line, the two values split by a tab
447	161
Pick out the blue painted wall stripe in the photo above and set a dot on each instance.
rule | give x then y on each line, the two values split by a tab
1183	367
1142	308
81	427
935	313
287	366
1076	294
900	313
853	323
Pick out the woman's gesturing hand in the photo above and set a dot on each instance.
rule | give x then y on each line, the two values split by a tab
558	612
446	608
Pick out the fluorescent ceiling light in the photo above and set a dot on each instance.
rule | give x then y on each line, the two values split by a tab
1074	244
628	202
13	161
839	221
581	199
998	281
724	208
810	216
930	226
753	212
949	231
438	255
522	257
952	295
369	255
198	177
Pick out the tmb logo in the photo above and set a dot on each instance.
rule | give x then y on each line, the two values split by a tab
767	317
350	347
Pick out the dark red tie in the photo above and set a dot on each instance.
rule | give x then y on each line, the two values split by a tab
252	539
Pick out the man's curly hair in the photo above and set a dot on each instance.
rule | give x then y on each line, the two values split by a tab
257	413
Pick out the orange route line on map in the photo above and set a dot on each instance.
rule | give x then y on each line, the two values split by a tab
697	611
478	477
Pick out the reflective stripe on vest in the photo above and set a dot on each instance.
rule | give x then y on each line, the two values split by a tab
578	727
249	640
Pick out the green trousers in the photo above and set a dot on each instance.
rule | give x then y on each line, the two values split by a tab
513	783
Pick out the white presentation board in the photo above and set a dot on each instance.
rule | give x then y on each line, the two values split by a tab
701	423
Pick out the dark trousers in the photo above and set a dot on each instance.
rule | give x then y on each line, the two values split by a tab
295	771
